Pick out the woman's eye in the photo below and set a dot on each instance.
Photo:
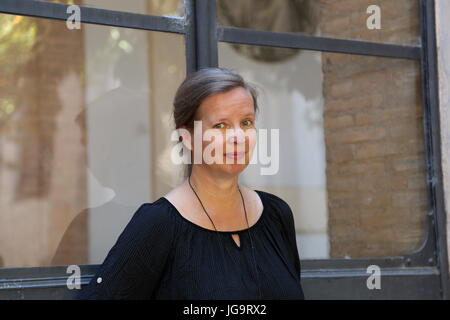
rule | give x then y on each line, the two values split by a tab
218	126
247	123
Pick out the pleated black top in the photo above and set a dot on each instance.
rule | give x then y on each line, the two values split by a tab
162	255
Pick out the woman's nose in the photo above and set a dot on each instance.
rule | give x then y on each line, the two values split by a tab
236	135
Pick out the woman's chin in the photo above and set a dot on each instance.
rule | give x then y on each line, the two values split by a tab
229	169
233	168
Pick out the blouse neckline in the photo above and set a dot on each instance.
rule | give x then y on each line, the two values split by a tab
220	231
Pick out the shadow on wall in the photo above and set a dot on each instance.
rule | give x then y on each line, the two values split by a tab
114	167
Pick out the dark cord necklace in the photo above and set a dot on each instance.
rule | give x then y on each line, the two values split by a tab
249	231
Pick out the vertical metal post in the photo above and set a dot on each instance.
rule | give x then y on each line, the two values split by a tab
430	90
190	37
206	33
201	35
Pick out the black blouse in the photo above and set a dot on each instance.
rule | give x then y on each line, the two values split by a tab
162	255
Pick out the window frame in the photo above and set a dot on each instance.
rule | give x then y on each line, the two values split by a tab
341	278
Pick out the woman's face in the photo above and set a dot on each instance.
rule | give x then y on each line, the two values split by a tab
228	120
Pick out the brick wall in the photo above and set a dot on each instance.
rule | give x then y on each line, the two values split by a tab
376	170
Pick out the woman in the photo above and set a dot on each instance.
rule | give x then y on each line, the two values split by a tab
210	237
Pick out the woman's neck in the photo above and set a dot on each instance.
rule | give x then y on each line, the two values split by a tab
215	190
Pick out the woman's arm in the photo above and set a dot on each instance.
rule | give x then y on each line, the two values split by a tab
134	265
290	234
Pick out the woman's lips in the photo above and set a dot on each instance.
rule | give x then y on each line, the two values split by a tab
235	155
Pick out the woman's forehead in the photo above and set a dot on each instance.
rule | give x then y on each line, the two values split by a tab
236	102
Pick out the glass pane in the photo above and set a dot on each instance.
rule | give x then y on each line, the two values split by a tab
155	7
351	153
83	134
374	20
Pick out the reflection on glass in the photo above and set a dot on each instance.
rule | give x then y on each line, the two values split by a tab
352	155
84	135
373	20
173	8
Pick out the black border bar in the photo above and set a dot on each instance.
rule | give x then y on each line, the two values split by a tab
58	11
302	41
430	95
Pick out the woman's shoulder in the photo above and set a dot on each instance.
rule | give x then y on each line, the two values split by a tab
150	219
275	204
154	211
272	198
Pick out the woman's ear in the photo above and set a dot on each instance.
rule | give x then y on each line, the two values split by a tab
185	137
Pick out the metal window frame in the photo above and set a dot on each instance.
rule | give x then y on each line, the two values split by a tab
422	274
